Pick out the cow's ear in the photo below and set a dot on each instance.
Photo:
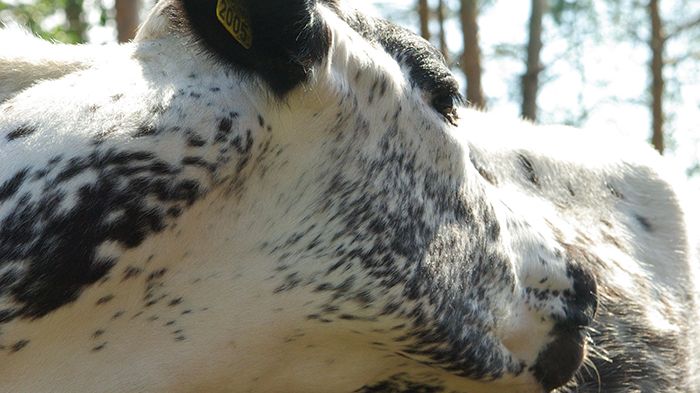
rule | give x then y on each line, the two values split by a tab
278	40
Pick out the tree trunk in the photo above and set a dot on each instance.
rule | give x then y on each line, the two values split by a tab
127	19
656	44
471	58
74	16
530	80
441	24
424	15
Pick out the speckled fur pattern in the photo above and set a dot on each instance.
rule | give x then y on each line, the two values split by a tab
174	219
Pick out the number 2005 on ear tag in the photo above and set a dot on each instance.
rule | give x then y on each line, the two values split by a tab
235	20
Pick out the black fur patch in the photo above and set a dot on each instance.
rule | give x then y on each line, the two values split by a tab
288	38
12	185
61	245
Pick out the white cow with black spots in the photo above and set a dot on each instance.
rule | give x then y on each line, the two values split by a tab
287	196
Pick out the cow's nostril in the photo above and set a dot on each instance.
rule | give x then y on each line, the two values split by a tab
561	358
583	302
559	361
575	320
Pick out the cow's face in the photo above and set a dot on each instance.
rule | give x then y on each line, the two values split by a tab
381	219
354	173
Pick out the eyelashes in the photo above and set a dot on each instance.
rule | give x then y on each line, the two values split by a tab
446	105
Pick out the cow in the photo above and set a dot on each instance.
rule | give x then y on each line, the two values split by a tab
292	196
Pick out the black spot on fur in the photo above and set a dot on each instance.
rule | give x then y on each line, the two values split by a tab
224	129
291	281
145	130
20	132
199	162
195	140
104	300
243	144
156	275
18	346
528	169
131	272
643	222
12	185
614	191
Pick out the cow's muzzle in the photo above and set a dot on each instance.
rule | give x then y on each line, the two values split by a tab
557	363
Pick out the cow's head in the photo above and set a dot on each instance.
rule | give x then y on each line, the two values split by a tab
343	166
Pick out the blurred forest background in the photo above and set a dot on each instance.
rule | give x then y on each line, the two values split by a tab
630	66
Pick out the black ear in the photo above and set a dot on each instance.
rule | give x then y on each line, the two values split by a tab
278	40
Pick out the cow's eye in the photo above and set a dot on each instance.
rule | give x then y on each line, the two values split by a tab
446	105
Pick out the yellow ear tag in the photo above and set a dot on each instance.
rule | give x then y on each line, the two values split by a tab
235	20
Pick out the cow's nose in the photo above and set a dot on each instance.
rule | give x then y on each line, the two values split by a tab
584	300
557	363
